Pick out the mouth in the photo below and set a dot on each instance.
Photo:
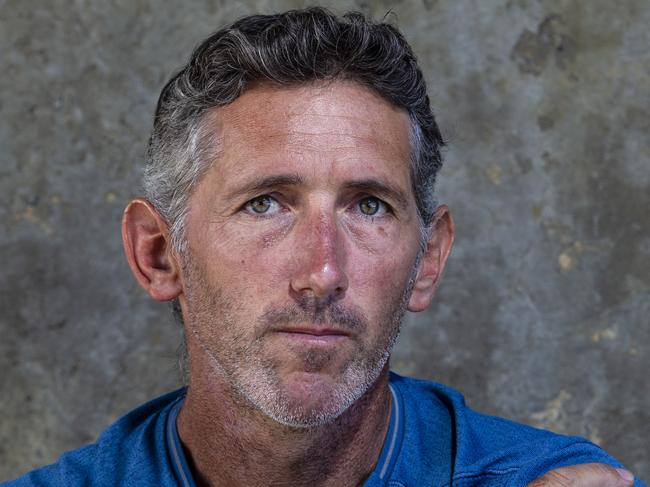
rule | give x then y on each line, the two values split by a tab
313	335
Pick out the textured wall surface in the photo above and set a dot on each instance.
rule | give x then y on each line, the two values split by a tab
544	314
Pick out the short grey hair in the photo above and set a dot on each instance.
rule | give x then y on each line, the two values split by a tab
298	46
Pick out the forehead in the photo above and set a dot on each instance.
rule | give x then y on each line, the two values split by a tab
327	129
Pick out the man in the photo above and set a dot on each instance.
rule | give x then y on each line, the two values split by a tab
290	215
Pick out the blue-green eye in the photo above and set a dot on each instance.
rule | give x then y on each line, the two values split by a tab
372	206
261	204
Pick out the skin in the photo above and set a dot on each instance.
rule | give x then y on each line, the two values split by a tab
586	475
303	255
312	258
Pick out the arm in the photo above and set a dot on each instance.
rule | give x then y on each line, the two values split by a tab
585	475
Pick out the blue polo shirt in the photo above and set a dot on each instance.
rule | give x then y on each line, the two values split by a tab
433	439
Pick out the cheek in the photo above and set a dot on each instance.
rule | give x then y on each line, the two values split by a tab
379	239
381	278
251	263
245	241
270	237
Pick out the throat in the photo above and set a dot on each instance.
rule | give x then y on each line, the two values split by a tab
226	444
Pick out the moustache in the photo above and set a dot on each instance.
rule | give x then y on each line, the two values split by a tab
331	315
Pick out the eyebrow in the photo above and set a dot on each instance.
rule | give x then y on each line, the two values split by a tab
264	184
369	185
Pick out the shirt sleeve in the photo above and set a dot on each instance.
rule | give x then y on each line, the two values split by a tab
548	457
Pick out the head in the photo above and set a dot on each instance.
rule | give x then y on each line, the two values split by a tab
291	209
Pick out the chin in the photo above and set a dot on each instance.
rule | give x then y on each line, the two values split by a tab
304	410
309	399
311	390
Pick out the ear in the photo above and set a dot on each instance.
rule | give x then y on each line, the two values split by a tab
145	235
433	261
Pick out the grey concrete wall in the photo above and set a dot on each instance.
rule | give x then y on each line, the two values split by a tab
544	315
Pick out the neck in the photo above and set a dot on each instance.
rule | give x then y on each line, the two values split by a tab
229	443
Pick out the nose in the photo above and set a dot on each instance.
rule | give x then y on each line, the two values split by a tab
319	271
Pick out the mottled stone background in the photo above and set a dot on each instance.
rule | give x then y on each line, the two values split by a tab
544	314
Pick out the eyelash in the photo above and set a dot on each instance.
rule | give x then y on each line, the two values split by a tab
387	209
248	206
383	210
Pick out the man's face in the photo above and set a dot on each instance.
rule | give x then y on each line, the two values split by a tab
302	240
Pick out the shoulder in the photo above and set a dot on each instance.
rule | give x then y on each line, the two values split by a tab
488	450
129	451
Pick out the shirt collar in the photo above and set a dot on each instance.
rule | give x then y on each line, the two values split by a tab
382	471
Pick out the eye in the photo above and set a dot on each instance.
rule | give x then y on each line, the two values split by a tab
371	206
262	205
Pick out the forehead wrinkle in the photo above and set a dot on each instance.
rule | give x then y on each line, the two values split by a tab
369	123
306	152
259	119
331	141
306	102
306	146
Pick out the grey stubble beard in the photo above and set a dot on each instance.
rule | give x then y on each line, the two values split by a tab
254	378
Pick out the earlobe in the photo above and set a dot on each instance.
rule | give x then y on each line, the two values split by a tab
145	236
433	261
